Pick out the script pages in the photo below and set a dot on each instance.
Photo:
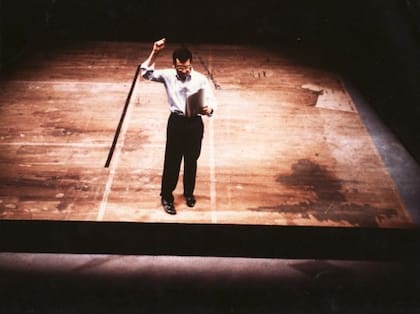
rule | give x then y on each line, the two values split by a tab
194	104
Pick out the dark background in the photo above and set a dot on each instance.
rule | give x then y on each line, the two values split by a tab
375	44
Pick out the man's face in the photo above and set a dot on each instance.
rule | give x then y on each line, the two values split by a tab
183	69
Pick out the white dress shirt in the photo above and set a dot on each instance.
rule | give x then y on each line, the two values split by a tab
178	90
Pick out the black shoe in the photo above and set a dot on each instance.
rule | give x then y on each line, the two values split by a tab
190	201
168	207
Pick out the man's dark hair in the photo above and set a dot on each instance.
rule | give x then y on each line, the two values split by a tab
182	54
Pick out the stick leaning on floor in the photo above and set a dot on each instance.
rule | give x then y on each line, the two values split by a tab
118	130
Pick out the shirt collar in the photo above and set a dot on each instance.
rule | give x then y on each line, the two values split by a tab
188	76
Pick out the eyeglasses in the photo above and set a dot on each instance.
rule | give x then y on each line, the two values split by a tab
183	67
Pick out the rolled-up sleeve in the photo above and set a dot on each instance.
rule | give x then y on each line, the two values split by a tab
210	99
149	73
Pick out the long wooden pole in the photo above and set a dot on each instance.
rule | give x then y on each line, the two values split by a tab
118	130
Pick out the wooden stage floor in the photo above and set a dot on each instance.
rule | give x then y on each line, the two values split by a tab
285	147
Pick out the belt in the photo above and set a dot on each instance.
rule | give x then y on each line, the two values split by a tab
178	113
181	114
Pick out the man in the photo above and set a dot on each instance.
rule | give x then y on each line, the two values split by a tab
184	133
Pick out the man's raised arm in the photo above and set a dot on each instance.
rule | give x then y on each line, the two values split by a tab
157	47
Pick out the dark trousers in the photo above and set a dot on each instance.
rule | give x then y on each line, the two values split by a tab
183	140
